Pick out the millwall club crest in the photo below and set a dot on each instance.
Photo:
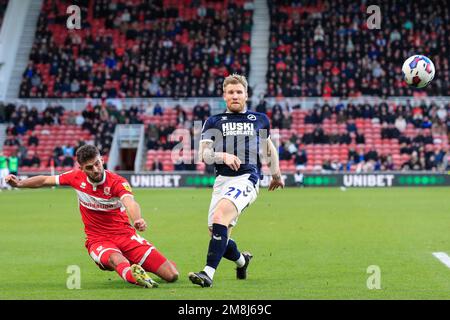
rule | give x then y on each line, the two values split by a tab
251	117
107	191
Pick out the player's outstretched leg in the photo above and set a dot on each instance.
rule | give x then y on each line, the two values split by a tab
216	249
224	213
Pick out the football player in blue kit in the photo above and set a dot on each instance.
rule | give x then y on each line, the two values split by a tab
234	142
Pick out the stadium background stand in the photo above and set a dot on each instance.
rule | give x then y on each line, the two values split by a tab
333	138
324	48
138	49
52	131
397	133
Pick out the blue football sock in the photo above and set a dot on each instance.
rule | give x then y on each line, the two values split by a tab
232	253
217	245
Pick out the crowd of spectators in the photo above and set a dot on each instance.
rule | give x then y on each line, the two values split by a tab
21	120
420	132
169	49
159	135
101	120
430	124
280	116
325	48
138	49
98	119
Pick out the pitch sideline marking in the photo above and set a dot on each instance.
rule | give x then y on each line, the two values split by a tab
443	257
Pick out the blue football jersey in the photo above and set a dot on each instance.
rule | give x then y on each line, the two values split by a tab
239	134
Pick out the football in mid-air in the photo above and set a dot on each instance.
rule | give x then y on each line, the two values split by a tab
418	71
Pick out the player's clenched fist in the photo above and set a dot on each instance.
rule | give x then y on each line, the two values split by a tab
140	225
12	180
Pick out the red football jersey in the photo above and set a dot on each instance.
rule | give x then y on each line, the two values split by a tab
102	212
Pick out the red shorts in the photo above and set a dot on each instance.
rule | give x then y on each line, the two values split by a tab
133	247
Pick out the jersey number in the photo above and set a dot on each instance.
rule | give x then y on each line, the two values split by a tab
139	239
238	192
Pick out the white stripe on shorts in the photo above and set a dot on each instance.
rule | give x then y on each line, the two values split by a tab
99	257
145	256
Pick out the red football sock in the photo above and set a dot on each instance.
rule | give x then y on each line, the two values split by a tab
124	271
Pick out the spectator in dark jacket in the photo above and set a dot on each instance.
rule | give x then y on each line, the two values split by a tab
33	140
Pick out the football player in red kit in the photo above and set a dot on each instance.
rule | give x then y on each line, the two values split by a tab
104	199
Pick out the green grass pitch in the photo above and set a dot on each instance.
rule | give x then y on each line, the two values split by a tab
307	244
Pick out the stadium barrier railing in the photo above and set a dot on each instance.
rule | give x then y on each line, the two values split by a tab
343	180
217	103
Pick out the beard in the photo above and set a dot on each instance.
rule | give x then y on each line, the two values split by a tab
96	178
236	107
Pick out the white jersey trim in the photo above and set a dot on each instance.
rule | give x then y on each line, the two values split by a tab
126	194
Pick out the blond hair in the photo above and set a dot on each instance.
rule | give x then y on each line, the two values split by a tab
235	79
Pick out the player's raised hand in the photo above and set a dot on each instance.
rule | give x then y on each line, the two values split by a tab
232	161
276	182
12	180
140	225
